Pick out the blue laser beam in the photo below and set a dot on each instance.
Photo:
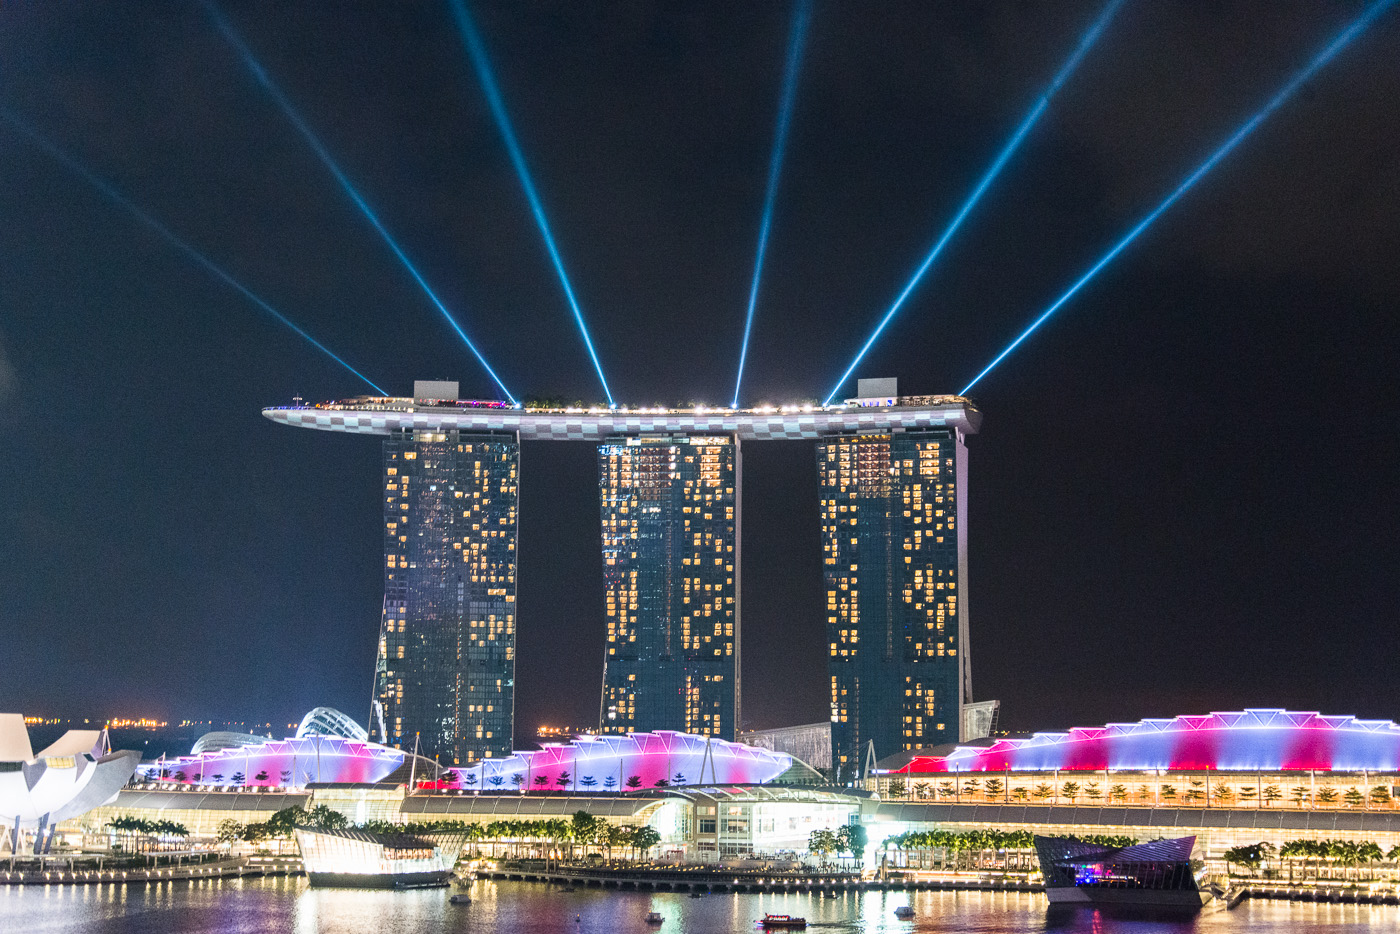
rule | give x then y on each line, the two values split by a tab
476	49
1322	58
801	17
998	164
111	192
333	167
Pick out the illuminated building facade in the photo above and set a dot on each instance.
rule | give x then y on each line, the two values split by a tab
670	534
894	540
446	667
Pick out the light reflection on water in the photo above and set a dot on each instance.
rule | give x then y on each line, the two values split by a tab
288	906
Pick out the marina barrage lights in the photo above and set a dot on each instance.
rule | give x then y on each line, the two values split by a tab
1322	58
997	165
312	140
112	194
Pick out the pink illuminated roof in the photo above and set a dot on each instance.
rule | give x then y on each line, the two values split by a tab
1248	740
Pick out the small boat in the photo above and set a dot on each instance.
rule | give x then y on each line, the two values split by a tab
654	917
783	923
697	894
461	898
904	912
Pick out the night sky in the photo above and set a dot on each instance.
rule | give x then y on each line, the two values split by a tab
1184	496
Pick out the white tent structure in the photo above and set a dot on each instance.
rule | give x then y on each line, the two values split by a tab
68	778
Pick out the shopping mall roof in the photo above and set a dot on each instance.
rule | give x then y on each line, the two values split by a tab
1250	740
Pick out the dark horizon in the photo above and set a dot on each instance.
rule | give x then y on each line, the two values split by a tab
1182	493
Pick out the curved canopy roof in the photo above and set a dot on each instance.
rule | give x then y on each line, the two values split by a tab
1249	740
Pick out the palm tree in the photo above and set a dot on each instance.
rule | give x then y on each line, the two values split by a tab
1118	793
286	776
634	781
1327	795
563	780
541	780
662	783
1091	791
1070	790
1042	791
262	776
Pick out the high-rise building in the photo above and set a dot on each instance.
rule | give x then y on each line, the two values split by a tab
445	676
894	537
670	523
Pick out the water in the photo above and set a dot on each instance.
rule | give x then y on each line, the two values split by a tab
288	906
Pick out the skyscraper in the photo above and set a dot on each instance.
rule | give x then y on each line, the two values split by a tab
894	537
670	524
446	667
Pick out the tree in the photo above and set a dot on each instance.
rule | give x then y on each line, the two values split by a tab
1092	791
541	780
1018	793
497	780
1070	790
634	781
971	787
822	842
1042	791
1380	796
1222	793
262	776
237	779
517	779
1272	793
1196	790
564	779
584	827
678	778
1298	794
662	783
1169	793
179	776
286	776
1354	797
322	817
898	788
1327	795
1118	793
588	781
609	782
852	839
470	780
229	831
645	837
945	789
218	777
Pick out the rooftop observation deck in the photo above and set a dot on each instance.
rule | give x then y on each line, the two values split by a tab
383	415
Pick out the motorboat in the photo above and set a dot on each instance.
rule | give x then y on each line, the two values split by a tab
461	898
654	917
783	923
904	912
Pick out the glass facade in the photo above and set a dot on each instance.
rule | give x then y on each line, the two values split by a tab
670	522
446	668
894	550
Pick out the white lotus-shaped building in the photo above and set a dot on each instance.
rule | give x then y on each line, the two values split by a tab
68	778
